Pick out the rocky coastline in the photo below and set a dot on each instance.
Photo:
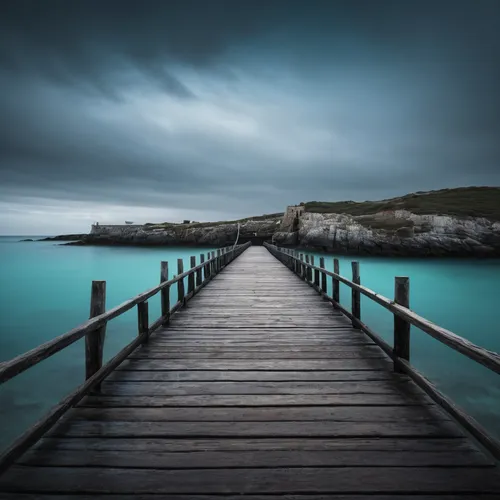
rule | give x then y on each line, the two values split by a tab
466	225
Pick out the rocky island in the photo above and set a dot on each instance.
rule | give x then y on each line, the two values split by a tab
449	222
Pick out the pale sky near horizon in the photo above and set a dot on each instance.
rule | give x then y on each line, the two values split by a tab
162	111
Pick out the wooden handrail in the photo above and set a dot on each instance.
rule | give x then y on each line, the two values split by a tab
10	369
487	358
17	365
399	353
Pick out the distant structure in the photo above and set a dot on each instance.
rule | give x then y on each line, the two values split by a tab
128	222
291	218
185	221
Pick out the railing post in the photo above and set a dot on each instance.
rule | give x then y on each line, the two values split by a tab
192	263
94	341
180	283
356	296
323	275
143	320
165	294
302	269
316	275
335	282
213	270
401	327
218	265
199	274
208	267
308	270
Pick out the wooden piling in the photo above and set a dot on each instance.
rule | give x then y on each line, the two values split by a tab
323	275
180	283
335	282
316	275
401	327
192	264
143	320
308	270
213	269
302	270
165	294
356	296
199	276
94	341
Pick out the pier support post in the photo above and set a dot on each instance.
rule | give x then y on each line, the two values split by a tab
199	276
356	296
323	275
143	320
335	282
94	341
401	327
165	294
316	275
192	264
180	283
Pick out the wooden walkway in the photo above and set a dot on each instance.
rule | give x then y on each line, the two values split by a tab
257	388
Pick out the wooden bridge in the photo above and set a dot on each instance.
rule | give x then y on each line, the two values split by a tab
255	387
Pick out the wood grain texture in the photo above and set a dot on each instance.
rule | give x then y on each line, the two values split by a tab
258	389
252	480
94	341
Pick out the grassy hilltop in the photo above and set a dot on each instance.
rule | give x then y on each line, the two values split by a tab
460	202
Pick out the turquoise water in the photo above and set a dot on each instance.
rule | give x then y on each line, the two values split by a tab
457	294
45	291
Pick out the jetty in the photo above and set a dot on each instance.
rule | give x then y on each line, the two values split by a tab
256	383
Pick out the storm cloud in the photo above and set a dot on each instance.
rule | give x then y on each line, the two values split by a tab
156	110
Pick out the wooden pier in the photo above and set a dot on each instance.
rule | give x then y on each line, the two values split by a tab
253	387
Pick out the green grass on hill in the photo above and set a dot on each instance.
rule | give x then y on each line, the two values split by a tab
460	202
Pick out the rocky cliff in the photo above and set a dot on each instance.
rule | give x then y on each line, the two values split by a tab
452	222
467	223
215	234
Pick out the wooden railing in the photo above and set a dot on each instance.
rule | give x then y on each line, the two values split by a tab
94	332
404	317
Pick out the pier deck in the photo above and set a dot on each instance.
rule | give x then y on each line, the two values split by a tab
257	388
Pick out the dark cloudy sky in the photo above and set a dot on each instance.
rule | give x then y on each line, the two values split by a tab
164	110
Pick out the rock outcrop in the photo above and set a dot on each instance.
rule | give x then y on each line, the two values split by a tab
392	233
202	234
414	225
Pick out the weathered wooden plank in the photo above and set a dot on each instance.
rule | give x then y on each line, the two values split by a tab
262	355
248	376
128	388
257	400
250	459
267	365
421	445
276	480
38	496
320	428
262	414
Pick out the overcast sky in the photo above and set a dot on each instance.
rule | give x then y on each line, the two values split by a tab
208	110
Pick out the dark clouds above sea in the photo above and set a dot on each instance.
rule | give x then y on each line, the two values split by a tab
159	110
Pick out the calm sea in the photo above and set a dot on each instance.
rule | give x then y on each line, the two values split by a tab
45	290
